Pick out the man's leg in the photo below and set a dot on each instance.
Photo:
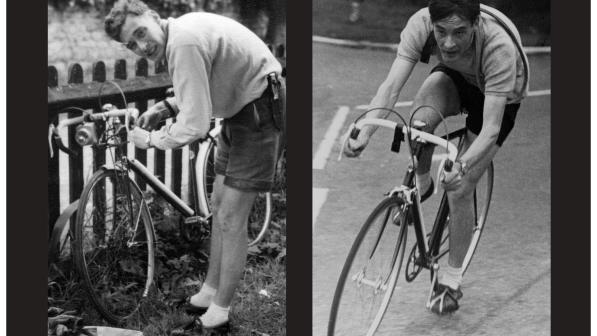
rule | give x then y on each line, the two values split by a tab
215	247
437	94
462	220
462	215
228	249
232	218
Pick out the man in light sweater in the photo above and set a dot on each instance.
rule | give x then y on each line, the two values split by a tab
220	69
483	72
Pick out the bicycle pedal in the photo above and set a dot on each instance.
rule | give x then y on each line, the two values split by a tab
195	220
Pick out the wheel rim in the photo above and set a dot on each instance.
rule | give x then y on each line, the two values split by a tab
114	258
259	218
367	282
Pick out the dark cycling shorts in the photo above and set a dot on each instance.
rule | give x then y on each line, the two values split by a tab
472	99
249	145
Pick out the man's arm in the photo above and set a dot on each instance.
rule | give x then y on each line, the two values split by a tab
388	92
493	112
192	100
386	96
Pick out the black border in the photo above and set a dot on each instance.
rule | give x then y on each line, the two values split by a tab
570	139
299	218
26	269
26	159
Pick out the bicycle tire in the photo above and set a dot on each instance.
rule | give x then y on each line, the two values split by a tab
482	199
114	256
260	215
378	243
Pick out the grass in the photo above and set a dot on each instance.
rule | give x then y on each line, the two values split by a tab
259	306
383	20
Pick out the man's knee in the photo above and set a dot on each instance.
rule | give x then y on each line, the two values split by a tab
437	96
464	192
228	220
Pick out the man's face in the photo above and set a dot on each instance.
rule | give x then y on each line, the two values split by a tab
143	35
454	36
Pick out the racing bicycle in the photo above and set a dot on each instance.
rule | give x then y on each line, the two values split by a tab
385	255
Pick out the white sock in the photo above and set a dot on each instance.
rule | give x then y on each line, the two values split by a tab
204	297
451	277
423	182
215	315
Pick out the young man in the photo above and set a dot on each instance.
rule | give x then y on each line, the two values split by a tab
481	72
219	69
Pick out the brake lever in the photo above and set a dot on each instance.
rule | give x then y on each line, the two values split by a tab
349	133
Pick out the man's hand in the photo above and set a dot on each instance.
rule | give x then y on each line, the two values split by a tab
354	148
152	117
453	179
139	137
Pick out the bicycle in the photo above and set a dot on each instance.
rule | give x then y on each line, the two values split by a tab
370	274
113	237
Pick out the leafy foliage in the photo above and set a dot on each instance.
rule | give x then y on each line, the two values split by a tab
166	7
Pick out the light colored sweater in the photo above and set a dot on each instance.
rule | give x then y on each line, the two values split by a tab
217	66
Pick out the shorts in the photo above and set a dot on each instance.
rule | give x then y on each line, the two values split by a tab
472	100
249	146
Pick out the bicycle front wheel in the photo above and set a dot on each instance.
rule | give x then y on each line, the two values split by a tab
260	216
370	272
114	244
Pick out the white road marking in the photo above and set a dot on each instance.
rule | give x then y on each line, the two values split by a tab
319	197
540	93
325	147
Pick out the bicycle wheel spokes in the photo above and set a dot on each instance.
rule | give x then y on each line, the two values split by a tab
370	273
115	240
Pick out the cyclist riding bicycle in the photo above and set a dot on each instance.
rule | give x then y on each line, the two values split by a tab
219	68
483	73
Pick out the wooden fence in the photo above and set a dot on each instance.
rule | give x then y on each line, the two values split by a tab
138	90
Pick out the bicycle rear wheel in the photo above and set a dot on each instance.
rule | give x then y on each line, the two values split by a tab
370	272
260	216
114	244
482	201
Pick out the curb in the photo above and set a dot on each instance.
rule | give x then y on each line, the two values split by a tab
393	46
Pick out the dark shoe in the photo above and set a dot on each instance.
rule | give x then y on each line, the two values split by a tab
190	328
196	328
191	309
445	300
428	193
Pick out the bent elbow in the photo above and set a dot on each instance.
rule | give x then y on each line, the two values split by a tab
492	134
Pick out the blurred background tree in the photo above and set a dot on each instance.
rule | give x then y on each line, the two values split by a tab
252	13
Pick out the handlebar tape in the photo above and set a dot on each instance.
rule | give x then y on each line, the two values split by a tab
62	147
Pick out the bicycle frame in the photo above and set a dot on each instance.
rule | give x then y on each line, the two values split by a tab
429	249
123	162
161	189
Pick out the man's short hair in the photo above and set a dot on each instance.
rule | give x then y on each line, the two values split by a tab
115	19
466	9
